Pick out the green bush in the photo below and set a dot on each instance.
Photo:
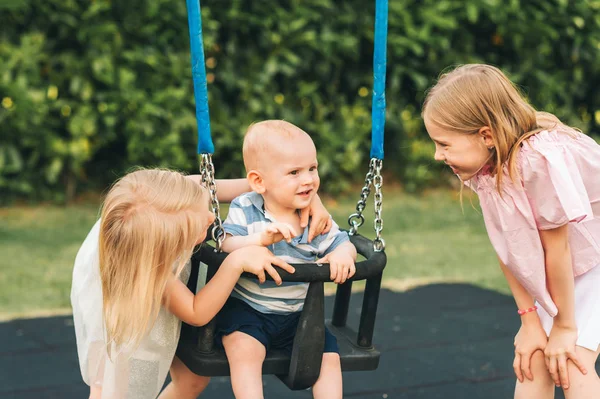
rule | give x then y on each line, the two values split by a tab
90	88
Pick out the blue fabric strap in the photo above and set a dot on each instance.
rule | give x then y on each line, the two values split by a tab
205	144
379	65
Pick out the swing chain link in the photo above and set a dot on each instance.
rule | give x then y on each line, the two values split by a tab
378	243
357	219
207	171
372	179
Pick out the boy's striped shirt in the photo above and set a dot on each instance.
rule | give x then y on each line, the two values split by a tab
248	216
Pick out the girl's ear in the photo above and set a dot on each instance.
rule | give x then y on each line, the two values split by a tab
486	134
256	181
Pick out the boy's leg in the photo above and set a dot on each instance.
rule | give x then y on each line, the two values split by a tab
329	384
583	386
542	386
184	383
245	355
241	332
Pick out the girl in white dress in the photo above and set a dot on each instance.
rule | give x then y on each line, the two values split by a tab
129	291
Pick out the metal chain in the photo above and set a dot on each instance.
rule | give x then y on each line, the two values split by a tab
378	242
207	171
357	219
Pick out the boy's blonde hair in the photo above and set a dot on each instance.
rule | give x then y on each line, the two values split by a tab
149	226
476	95
262	137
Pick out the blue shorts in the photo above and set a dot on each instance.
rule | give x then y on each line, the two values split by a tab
274	331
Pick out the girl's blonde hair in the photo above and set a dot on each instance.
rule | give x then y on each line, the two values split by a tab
473	96
150	223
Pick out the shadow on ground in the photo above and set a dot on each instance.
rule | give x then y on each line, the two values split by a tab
438	341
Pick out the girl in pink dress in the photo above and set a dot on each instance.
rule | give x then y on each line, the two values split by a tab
538	182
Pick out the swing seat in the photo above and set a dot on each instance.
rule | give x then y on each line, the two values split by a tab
299	370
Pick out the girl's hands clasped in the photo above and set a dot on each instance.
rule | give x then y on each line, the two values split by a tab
259	261
560	348
530	338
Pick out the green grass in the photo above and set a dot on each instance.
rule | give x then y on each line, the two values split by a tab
38	247
428	238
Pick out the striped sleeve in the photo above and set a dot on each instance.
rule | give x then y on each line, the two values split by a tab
236	223
334	238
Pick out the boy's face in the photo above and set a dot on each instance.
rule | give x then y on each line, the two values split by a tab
290	176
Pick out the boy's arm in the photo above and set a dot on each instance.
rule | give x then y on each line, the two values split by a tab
340	253
345	248
342	262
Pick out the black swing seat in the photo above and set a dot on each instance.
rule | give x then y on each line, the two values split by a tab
299	370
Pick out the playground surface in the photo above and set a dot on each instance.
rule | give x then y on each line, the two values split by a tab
437	341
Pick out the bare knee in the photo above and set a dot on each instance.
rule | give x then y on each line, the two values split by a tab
197	383
576	377
187	382
538	366
242	347
329	384
542	385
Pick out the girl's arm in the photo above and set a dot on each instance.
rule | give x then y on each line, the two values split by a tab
561	285
227	189
522	298
559	274
531	336
199	309
232	243
274	233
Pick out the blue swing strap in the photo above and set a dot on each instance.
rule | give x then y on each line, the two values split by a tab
374	178
379	69
205	145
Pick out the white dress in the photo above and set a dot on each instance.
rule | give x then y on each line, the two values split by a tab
137	375
587	310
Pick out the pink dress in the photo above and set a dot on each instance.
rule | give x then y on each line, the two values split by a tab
558	184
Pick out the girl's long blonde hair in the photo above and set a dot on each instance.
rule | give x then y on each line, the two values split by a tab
150	223
476	95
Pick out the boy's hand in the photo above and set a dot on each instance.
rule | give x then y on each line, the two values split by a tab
341	266
276	232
